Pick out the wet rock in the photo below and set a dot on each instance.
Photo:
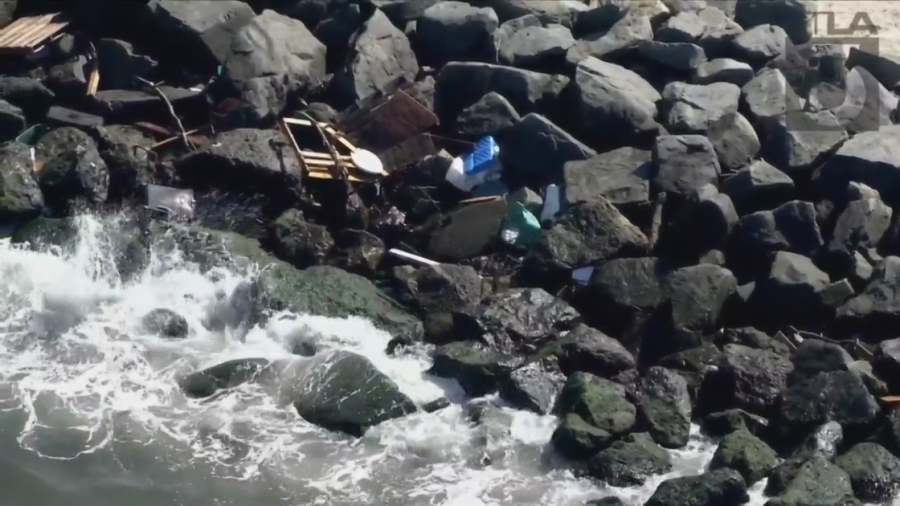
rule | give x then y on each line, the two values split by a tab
679	56
767	97
343	391
577	440
698	294
814	356
587	233
586	349
476	367
615	106
12	121
712	488
470	231
729	421
758	187
68	79
489	116
380	54
20	196
28	94
630	461
792	16
823	441
71	168
791	227
665	406
755	379
461	84
446	288
245	160
791	292
746	454
120	64
532	388
130	169
223	376
606	501
686	163
165	323
199	34
42	232
622	176
454	31
800	141
599	402
535	150
877	307
522	319
874	472
299	242
723	70
694	108
358	251
272	57
752	338
734	140
839	396
536	47
816	481
626	287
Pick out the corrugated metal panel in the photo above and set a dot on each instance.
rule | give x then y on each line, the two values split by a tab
26	34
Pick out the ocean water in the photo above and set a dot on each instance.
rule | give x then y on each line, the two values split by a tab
91	415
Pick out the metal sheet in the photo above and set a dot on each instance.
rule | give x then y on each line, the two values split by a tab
408	152
26	34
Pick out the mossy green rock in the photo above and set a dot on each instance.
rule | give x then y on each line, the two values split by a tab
874	472
578	440
817	481
597	401
43	232
746	454
715	488
629	461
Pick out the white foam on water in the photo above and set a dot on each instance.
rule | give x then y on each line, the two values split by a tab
77	362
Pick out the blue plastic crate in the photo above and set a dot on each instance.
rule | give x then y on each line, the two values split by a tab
483	158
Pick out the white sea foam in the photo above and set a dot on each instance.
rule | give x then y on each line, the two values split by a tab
74	358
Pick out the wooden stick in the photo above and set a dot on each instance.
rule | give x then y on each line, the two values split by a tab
174	116
94	79
656	224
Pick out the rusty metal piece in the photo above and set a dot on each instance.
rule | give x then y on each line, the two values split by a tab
387	123
28	34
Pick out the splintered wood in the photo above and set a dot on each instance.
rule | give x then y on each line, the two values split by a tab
28	34
319	165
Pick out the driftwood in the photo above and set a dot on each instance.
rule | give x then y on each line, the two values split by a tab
175	119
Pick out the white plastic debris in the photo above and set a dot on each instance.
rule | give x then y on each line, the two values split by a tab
551	204
412	258
367	162
477	167
582	275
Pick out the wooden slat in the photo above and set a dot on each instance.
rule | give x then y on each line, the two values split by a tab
26	34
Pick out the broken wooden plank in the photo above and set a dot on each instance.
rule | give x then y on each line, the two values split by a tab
411	151
27	34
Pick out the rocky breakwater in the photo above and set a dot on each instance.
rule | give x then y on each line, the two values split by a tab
726	252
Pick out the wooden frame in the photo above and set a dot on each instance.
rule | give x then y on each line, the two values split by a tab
27	35
317	165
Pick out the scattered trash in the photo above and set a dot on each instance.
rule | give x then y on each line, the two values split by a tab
480	165
175	119
94	78
551	204
70	117
408	152
31	136
582	275
29	34
521	228
174	203
413	258
495	188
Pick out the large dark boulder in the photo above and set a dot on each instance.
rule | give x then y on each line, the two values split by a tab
708	489
71	168
343	391
20	195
